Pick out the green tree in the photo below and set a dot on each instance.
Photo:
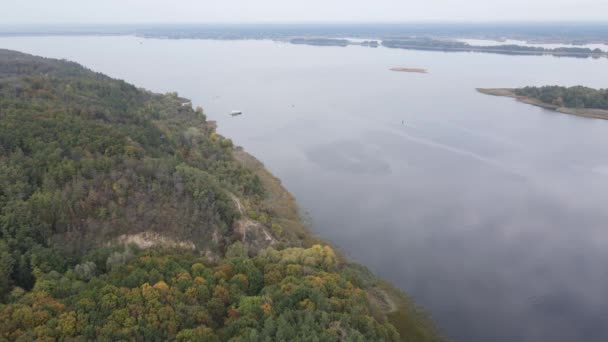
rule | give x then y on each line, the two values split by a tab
6	269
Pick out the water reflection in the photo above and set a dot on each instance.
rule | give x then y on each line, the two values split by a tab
348	157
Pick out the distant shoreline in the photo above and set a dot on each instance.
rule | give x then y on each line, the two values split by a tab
583	112
566	32
427	44
301	35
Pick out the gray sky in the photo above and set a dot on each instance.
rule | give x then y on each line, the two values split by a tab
201	11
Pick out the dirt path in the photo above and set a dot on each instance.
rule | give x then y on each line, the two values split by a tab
245	224
382	299
237	201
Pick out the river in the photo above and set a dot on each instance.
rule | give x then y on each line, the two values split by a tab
490	213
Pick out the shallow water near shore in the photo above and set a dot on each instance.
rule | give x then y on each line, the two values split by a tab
490	213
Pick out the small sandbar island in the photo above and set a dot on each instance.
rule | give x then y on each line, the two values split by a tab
579	100
414	70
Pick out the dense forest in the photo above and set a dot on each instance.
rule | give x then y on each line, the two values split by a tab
125	216
278	295
572	97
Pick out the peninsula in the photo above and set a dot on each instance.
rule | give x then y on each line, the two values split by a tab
580	101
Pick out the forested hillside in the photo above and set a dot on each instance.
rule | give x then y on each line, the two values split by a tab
124	216
86	159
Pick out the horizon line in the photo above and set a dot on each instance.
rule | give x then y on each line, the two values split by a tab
315	22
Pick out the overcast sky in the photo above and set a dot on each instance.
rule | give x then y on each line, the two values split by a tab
202	11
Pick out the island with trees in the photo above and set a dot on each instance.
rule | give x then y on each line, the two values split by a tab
447	45
333	42
578	100
125	216
321	41
424	43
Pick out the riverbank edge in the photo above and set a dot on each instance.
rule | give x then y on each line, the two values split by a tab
411	321
582	112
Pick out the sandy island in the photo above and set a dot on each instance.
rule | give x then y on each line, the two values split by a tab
416	70
584	112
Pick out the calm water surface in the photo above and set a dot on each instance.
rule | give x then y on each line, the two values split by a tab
490	213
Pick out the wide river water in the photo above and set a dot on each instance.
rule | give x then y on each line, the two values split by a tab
490	213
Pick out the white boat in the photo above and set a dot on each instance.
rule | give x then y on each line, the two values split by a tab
236	113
